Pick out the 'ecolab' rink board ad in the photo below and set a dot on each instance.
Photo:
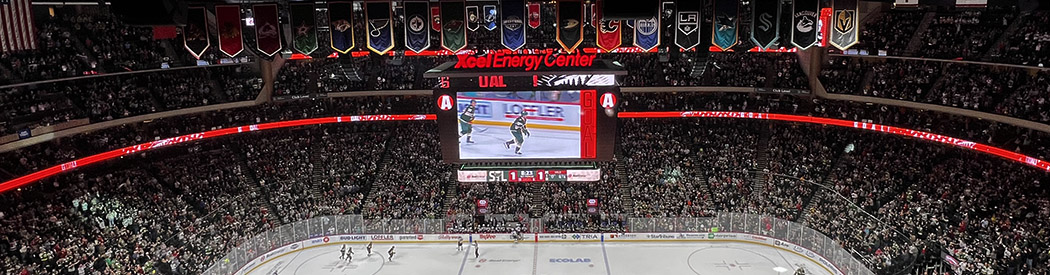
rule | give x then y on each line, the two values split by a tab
443	242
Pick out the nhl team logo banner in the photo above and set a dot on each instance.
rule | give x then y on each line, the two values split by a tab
267	29
687	25
195	33
304	30
473	18
765	22
608	33
844	24
379	26
435	18
534	15
453	26
724	28
512	18
570	25
490	16
228	21
647	33
341	18
804	18
417	36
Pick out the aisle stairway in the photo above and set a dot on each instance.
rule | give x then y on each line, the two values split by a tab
317	182
916	39
249	173
1004	37
626	196
836	163
758	181
384	161
538	207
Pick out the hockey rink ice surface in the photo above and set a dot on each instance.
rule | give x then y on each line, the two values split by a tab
596	258
488	144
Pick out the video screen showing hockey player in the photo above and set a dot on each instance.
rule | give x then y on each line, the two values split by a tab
525	124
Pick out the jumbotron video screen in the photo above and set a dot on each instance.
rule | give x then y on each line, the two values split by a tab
495	125
563	124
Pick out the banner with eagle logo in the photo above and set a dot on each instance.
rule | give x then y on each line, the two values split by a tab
804	16
687	25
765	22
512	20
534	15
379	27
195	34
647	33
453	26
228	22
304	30
570	24
341	31
608	33
490	16
267	29
417	35
724	29
844	33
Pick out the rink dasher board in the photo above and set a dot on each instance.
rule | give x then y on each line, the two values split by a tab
540	238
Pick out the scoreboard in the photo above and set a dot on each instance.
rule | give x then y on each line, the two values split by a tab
510	108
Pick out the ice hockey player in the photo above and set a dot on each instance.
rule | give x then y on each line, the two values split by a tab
466	121
459	246
369	247
800	271
515	235
476	250
342	252
391	252
350	254
517	130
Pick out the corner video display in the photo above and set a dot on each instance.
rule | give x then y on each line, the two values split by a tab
524	125
532	125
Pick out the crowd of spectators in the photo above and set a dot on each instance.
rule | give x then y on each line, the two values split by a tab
1003	90
966	34
1028	44
889	32
413	179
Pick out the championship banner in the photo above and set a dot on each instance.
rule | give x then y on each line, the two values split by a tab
228	21
592	16
724	28
379	27
647	33
844	32
435	18
417	36
608	33
267	29
534	15
512	29
195	34
453	27
490	16
765	22
570	25
304	36
341	18
687	25
473	18
804	23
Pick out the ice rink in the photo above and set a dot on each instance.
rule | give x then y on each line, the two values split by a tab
546	258
542	144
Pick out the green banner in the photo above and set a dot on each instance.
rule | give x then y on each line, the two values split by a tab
304	29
